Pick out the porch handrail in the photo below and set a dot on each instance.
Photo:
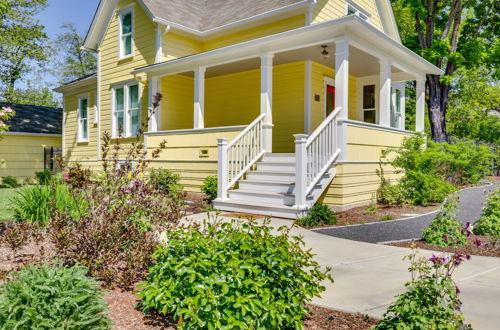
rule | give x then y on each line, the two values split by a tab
237	156
315	155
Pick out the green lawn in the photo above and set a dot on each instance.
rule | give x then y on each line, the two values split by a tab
5	195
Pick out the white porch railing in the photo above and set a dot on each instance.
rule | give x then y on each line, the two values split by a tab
314	155
235	158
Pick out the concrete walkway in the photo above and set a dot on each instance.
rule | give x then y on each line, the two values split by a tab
470	205
369	276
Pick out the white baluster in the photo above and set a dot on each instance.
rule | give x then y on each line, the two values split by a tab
222	168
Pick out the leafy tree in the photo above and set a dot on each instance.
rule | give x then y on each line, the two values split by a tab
32	94
76	62
22	39
5	114
450	34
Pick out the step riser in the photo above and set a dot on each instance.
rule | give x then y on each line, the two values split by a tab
268	211
268	187
265	166
236	195
272	177
283	159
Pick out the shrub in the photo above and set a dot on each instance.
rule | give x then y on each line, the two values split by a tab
52	297
233	275
4	185
489	222
390	194
319	214
37	203
209	187
422	188
445	230
44	177
10	181
371	209
77	176
164	180
387	217
431	299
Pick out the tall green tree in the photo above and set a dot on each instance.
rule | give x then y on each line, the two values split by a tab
450	34
76	62
33	94
22	39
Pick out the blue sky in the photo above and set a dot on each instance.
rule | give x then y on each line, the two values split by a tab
57	13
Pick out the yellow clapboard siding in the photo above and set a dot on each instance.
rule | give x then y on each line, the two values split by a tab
326	10
22	156
177	104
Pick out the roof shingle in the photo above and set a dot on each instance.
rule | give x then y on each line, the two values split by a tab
34	119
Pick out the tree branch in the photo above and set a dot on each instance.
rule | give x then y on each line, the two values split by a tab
451	18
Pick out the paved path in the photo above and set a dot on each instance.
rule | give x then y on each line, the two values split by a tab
369	276
470	206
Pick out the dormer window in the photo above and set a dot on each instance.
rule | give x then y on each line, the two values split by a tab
126	33
354	9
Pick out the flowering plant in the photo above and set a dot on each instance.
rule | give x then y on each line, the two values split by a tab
431	300
5	114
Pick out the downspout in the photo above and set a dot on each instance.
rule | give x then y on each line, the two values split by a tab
309	13
159	41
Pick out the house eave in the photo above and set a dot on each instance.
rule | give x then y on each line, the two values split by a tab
77	85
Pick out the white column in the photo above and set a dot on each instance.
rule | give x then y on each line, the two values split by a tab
300	170
222	168
342	76
199	97
154	86
307	96
342	92
385	93
420	105
266	99
402	123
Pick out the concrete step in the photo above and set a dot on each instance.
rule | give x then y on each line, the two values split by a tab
287	212
276	166
257	196
267	186
279	157
272	176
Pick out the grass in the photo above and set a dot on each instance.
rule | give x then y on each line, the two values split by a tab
5	195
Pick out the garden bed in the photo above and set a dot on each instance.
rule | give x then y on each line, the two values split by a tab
490	247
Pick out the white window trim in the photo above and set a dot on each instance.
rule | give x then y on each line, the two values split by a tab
360	83
79	118
96	109
326	81
358	9
125	10
126	109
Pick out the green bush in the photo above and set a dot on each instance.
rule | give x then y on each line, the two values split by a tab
422	188
209	187
371	209
44	177
52	297
489	222
4	185
320	214
445	230
164	180
10	181
431	300
35	204
387	217
233	275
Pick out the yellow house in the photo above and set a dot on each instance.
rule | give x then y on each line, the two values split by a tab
34	136
288	102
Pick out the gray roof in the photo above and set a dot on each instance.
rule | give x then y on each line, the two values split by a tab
203	15
34	119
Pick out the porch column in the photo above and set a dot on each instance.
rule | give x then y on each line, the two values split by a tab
420	105
199	97
154	87
266	99
342	92
385	93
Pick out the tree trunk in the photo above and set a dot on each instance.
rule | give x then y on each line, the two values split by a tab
437	104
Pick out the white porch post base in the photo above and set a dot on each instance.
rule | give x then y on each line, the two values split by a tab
153	114
342	91
222	168
300	170
385	93
199	97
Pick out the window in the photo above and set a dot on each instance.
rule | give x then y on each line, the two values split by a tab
353	9
83	119
369	112
126	111
126	34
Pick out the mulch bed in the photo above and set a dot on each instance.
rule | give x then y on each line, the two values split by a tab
491	247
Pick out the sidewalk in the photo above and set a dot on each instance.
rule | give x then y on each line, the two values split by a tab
369	276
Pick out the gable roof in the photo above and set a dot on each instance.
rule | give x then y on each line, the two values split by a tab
34	119
206	15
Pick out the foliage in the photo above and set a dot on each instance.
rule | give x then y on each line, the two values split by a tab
53	297
164	180
489	222
5	114
76	61
36	204
431	299
76	176
233	275
387	217
371	209
445	230
11	181
34	95
209	187
319	214
388	193
6	194
44	177
22	40
451	35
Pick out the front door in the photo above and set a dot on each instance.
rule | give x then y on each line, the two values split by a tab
329	99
